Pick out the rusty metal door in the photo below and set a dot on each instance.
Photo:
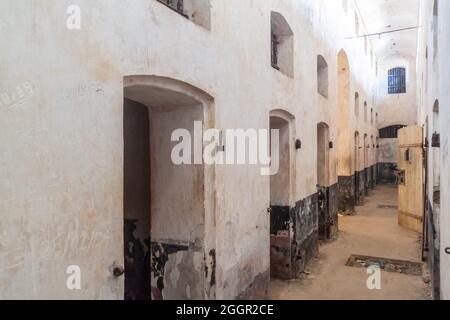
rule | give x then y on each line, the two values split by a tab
410	178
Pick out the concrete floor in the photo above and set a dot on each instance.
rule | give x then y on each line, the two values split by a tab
371	232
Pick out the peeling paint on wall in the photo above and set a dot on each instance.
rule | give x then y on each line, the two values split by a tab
388	151
346	194
177	271
306	239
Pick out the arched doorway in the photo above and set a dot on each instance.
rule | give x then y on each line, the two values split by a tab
282	186
168	207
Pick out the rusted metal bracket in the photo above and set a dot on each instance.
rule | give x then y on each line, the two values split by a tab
436	141
401	177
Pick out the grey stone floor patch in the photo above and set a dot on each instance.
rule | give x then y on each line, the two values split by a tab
388	265
387	206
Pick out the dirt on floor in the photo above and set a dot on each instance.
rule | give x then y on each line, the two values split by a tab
374	232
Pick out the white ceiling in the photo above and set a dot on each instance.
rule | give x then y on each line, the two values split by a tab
158	97
387	15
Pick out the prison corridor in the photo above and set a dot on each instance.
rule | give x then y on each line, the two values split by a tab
373	231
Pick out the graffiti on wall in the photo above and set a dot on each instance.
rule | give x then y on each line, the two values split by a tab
388	151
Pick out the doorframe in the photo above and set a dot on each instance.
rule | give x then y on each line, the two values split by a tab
324	126
210	202
290	119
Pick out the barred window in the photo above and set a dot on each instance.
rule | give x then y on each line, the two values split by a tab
176	5
322	76
275	44
197	11
282	39
397	80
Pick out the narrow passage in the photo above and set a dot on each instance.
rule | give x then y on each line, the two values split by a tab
374	232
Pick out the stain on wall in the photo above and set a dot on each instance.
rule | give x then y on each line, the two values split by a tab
323	210
258	289
367	181
177	271
387	161
281	242
360	187
346	200
333	208
328	212
306	233
433	248
137	264
388	151
210	268
294	237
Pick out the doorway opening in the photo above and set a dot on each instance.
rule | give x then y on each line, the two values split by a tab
435	144
323	172
357	170
136	200
167	210
366	164
282	261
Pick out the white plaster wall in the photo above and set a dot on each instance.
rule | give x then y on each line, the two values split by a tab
397	109
177	191
444	118
434	73
280	183
62	147
345	111
388	152
428	90
322	154
136	168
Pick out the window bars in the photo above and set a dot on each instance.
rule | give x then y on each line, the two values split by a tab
275	44
397	81
176	5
